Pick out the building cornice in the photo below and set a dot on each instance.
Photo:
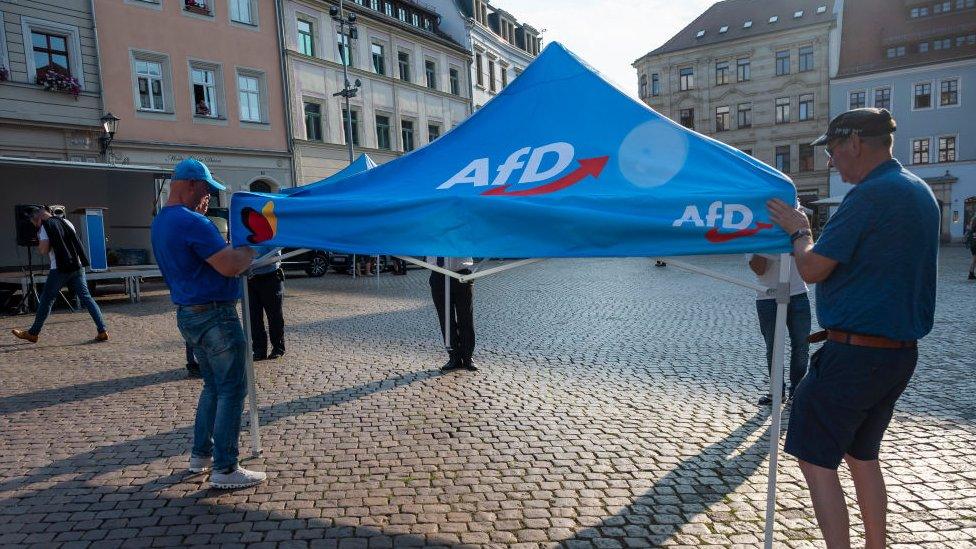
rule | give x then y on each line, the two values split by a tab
899	71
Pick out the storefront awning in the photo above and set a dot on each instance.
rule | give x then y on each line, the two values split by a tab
69	164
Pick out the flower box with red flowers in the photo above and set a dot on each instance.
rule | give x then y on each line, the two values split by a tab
196	6
56	79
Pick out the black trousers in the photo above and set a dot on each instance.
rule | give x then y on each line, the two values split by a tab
265	293
461	314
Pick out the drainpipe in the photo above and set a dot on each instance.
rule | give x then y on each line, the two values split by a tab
286	91
98	63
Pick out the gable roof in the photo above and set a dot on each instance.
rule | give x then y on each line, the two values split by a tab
733	14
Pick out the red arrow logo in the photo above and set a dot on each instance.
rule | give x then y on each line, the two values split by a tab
588	166
716	237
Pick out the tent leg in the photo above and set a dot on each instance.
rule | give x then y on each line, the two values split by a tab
447	313
252	393
776	389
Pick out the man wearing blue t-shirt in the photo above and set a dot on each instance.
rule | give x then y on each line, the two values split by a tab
201	271
875	269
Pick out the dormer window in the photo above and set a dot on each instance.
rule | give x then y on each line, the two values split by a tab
773	19
700	34
724	29
821	9
747	24
797	14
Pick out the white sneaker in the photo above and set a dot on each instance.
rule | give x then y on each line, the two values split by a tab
200	464
238	478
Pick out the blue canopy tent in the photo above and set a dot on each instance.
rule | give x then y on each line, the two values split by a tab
361	164
559	164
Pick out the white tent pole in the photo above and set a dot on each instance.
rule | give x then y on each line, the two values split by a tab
354	265
776	387
498	269
715	274
252	390
447	311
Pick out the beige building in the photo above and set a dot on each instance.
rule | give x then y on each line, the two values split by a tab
415	83
50	127
753	74
201	80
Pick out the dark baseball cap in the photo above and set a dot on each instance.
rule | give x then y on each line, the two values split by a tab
864	122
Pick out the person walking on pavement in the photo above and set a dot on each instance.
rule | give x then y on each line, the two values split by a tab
57	238
766	268
875	269
266	290
461	314
200	269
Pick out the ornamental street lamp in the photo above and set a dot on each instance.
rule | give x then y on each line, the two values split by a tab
110	124
348	32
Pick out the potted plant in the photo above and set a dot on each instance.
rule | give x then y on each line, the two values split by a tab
196	6
56	79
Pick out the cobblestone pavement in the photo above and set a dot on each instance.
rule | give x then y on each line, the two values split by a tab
615	407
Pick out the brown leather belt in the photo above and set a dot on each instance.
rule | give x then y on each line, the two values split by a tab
877	342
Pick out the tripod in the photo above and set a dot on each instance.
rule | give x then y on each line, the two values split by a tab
29	301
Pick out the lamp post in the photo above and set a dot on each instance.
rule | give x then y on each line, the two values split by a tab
110	124
347	29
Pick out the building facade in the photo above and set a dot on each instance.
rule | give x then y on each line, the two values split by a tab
753	74
50	127
501	47
918	60
199	79
414	81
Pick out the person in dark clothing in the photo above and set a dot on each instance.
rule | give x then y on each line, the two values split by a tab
58	239
461	314
265	294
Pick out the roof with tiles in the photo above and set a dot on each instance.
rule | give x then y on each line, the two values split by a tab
736	19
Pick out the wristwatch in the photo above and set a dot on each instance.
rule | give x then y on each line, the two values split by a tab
800	233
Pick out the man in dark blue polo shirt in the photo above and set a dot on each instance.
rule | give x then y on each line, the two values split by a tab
875	269
201	271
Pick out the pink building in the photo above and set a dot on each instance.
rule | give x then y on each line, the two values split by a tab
196	78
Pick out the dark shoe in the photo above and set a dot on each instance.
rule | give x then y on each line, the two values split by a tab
193	371
102	336
451	365
972	275
25	335
275	355
259	358
765	400
470	366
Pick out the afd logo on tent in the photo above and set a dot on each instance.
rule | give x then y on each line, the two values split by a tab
535	166
732	228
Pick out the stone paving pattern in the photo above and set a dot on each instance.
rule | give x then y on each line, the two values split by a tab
615	407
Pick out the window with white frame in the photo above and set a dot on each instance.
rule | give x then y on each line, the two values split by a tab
345	52
949	92
150	85
857	99
430	71
52	46
203	80
249	96
306	37
922	95
243	11
947	148
455	77
920	151
882	98
805	111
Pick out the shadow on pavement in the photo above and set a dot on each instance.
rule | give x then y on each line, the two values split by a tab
687	490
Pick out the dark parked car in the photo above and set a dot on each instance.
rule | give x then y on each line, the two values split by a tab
313	262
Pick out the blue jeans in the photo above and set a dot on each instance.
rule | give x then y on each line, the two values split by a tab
798	324
217	340
78	284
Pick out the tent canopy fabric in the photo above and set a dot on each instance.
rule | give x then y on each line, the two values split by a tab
559	164
360	165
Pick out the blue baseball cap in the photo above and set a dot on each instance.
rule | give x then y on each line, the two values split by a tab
192	169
